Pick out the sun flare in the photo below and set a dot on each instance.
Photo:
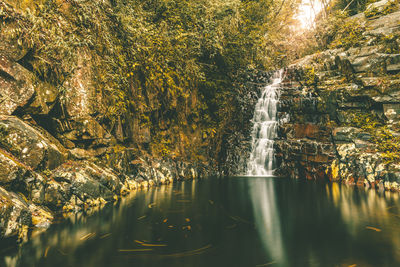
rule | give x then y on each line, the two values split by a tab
307	12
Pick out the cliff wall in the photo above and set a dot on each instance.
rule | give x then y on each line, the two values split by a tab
339	109
80	123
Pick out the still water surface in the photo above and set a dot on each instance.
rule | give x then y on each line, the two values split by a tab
235	221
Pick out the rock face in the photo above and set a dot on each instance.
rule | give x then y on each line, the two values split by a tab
16	87
236	142
58	150
37	179
339	111
51	163
18	215
29	145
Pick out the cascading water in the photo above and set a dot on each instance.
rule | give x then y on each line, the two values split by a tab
261	162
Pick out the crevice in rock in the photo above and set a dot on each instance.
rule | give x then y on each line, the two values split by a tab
7	76
26	59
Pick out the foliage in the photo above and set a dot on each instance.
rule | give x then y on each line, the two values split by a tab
310	77
163	63
46	173
388	8
4	143
390	42
352	6
347	34
333	28
386	142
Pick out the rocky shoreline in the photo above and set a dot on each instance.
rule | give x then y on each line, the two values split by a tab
38	180
60	149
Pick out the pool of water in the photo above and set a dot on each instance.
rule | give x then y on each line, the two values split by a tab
233	221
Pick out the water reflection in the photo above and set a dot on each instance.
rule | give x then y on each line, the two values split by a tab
308	224
364	211
226	222
266	216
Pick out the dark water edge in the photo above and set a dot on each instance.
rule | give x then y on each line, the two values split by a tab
232	221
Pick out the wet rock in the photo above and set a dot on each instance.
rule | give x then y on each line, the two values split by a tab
85	132
9	45
43	101
15	216
385	25
11	170
41	217
348	134
28	145
85	181
16	86
21	92
353	84
81	99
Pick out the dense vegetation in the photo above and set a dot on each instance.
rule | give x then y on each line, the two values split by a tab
174	70
175	66
334	27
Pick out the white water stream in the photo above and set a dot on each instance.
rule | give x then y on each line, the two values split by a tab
261	162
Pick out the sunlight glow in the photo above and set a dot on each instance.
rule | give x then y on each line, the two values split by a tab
307	12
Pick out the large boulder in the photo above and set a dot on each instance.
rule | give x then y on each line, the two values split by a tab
28	145
16	176
80	95
16	86
80	183
74	186
10	168
17	215
84	132
81	103
19	89
385	25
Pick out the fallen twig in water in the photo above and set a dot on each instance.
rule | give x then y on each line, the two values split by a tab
135	250
86	237
46	251
105	235
373	228
149	245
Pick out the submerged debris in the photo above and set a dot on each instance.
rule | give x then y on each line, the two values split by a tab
373	228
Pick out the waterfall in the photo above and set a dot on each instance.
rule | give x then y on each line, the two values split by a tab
261	162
